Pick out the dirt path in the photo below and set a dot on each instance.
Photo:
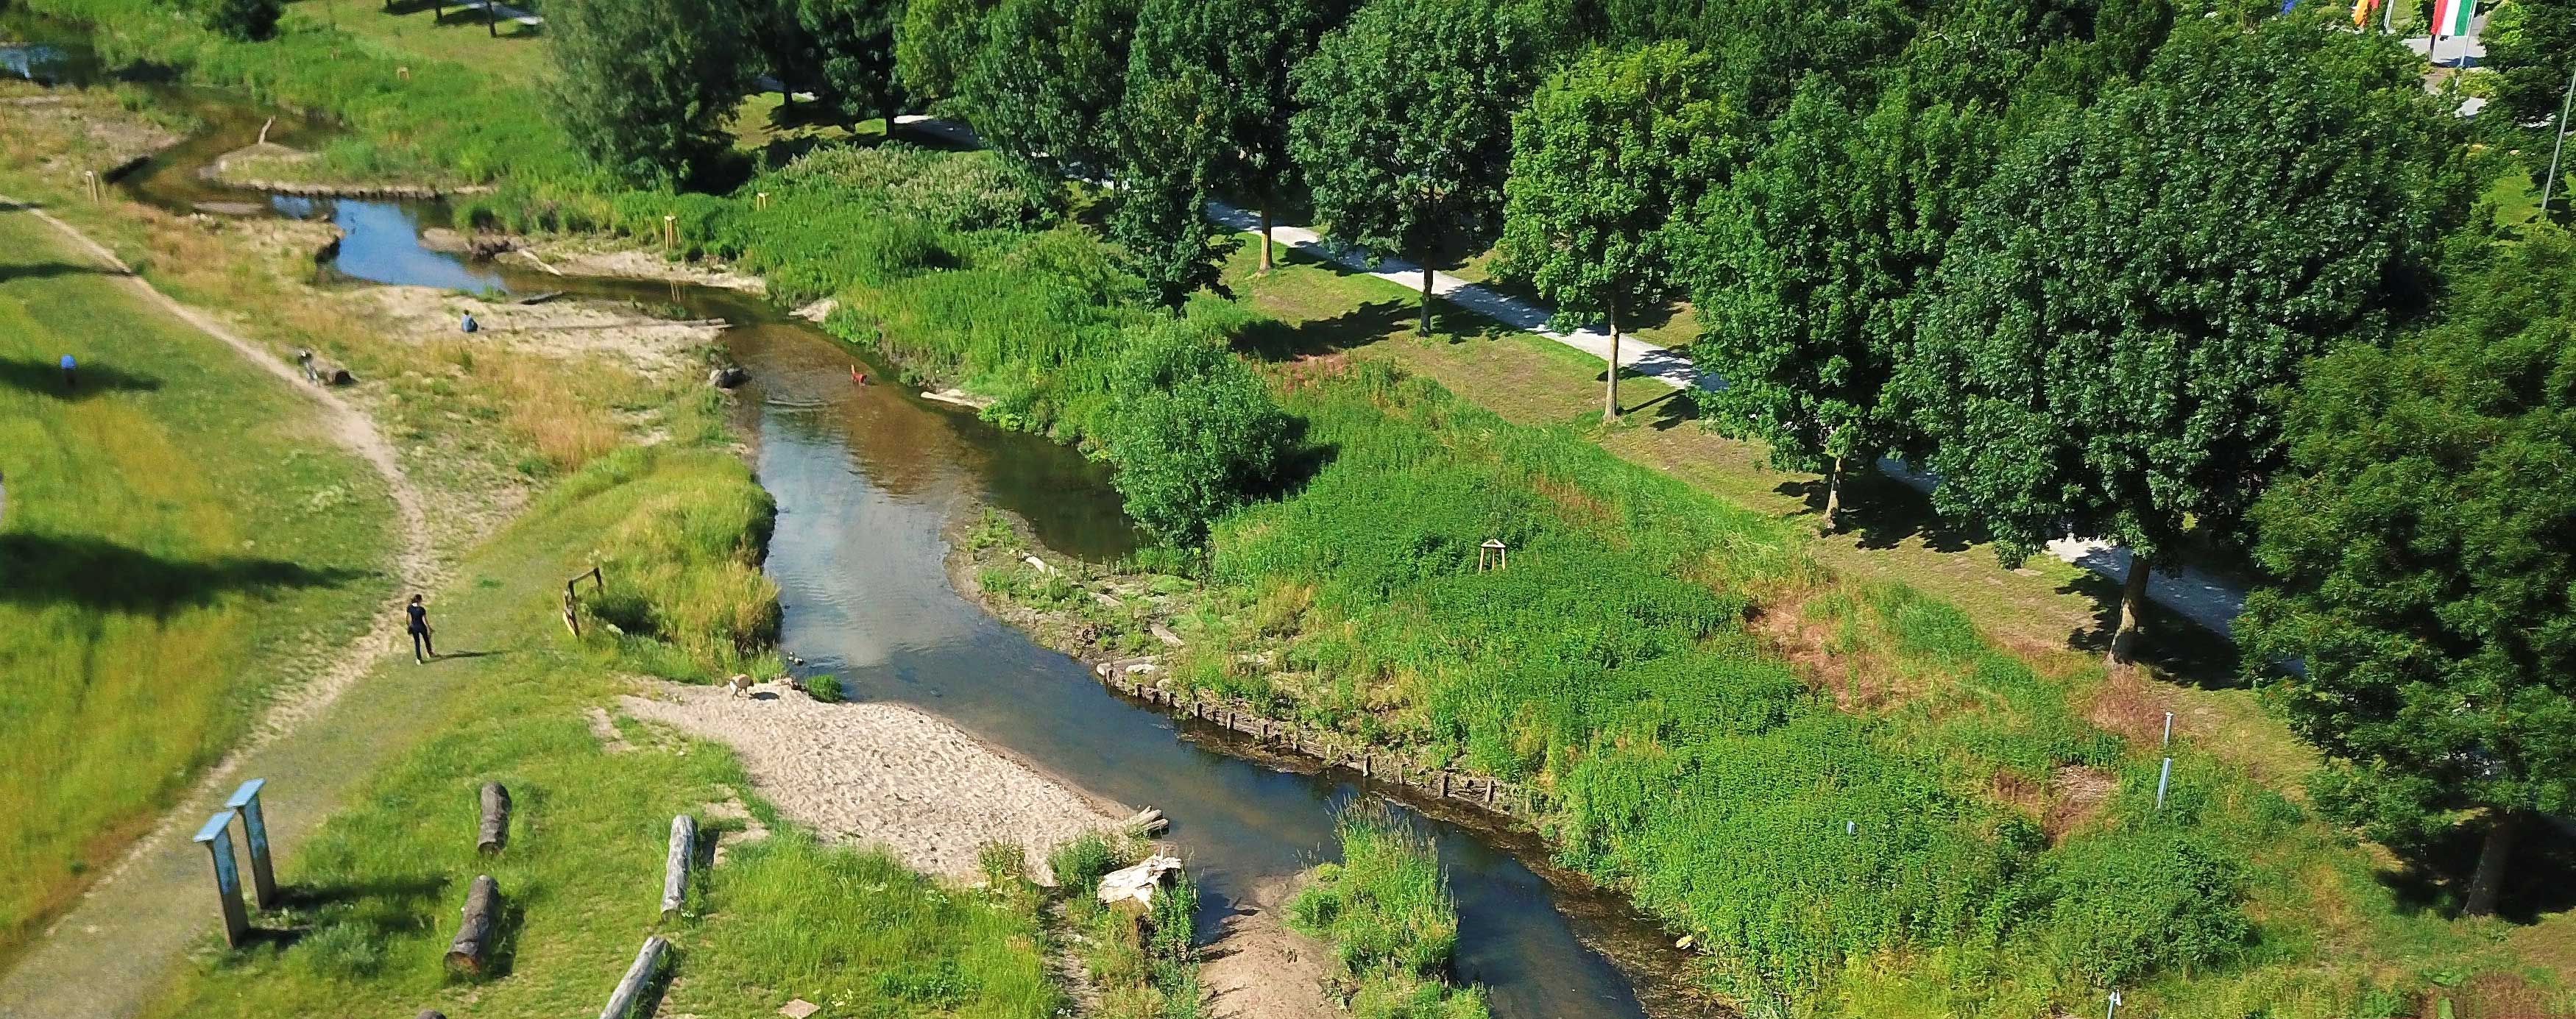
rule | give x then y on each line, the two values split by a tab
1257	968
58	980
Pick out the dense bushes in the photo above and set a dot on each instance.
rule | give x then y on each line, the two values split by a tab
244	20
1191	430
683	566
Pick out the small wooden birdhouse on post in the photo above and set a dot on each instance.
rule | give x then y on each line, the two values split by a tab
1492	555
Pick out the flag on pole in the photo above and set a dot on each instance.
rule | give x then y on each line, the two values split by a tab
2361	12
2451	18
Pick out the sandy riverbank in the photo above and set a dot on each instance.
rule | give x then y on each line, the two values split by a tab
882	774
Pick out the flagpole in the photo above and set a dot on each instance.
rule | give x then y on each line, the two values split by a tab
2551	188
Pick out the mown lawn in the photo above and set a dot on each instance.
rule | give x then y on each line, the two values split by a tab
180	542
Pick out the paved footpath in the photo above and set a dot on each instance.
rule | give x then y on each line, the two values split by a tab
2209	600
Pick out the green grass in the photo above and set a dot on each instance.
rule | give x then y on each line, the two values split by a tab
1393	926
376	890
181	539
1143	962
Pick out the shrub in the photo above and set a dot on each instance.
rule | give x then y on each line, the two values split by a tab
825	688
1389	916
244	20
2135	902
1191	430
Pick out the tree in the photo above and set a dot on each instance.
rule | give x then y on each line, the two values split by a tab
1404	130
1192	431
1812	264
2122	312
935	41
847	54
1217	72
643	87
1044	86
2424	576
1602	157
2533	50
244	20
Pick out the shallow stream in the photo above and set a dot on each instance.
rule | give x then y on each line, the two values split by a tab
868	479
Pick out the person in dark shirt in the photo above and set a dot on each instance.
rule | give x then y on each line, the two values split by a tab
421	649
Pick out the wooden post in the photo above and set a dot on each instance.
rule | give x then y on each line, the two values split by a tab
1444	785
474	927
622	1000
675	868
1489	792
496	819
263	879
1368	766
572	617
670	231
217	837
92	176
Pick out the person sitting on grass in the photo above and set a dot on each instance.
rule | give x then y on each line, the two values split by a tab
418	625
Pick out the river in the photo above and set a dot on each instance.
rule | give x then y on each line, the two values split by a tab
867	480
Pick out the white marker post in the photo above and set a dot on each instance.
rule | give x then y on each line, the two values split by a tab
217	837
2113	1012
2162	778
2168	729
263	880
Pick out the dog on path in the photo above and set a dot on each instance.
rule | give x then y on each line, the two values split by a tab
737	686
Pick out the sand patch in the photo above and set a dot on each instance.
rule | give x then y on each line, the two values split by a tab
589	258
882	774
659	349
604	729
1257	968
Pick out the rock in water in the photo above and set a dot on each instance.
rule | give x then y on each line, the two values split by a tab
1138	883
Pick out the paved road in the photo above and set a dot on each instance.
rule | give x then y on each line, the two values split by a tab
2206	599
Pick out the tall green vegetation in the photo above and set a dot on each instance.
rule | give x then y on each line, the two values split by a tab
2532	46
1191	429
1387	912
1045	81
1811	267
643	87
1404	133
1175	130
244	20
1604	155
2424	574
841	49
935	43
2089	364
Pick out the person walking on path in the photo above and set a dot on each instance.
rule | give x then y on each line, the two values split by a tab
421	649
70	380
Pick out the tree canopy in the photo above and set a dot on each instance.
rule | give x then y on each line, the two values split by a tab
643	87
2119	317
1046	80
1208	82
1404	134
2424	574
1192	431
1604	155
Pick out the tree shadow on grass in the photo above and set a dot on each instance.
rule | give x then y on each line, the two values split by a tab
1272	340
50	270
38	571
2171	647
1883	512
2539	877
44	378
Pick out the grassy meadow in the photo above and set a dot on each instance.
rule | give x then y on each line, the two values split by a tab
180	542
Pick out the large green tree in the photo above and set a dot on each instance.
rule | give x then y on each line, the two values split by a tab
1606	155
643	87
853	45
1404	126
1225	65
2121	314
2425	577
1045	84
935	42
2532	46
1812	266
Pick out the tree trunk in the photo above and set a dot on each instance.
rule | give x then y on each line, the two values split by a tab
1426	295
2133	604
2488	882
1834	497
1265	235
496	819
675	870
1610	392
474	934
492	18
621	1002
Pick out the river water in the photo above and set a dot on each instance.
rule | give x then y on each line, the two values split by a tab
868	480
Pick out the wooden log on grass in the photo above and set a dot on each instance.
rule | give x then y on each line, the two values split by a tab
430	1013
496	819
474	934
621	1001
675	869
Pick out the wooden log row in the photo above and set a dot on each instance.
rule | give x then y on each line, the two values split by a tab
621	1002
474	932
675	868
496	819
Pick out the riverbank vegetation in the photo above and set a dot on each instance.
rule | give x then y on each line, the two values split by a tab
1393	925
1841	790
1141	962
181	543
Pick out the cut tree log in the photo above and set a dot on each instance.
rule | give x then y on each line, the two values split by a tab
1149	822
496	819
621	1001
474	934
1138	883
430	1013
675	869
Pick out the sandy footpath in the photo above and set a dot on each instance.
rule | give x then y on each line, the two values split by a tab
882	774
